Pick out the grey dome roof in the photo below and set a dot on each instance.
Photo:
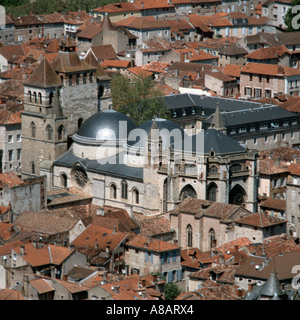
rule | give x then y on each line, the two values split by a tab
106	125
165	128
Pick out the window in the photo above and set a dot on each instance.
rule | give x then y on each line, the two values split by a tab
77	79
248	91
18	154
50	98
189	231
263	125
250	77
18	137
10	155
40	98
257	93
63	180
30	96
135	194
49	132
70	80
113	191
32	168
10	138
124	190
61	132
268	93
33	129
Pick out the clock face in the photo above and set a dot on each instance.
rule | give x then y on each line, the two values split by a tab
81	177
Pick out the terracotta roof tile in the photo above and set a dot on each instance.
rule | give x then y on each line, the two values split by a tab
104	52
100	237
10	294
115	64
155	245
41	286
155	226
140	72
275	204
232	70
260	220
269	69
9	180
268	53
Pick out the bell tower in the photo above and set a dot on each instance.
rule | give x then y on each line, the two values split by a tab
44	126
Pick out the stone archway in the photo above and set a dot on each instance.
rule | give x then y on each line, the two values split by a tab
237	195
187	191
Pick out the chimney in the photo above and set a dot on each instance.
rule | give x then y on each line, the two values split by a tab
114	230
182	56
116	289
22	250
107	249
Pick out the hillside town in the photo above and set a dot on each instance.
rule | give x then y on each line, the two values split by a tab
100	204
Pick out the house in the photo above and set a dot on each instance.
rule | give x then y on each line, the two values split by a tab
8	53
256	270
222	84
292	199
278	55
103	52
104	247
276	11
7	31
104	33
146	255
274	207
274	170
190	55
38	258
117	11
21	195
232	53
156	8
260	80
114	66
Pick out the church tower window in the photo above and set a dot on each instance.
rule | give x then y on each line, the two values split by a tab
49	132
33	129
124	190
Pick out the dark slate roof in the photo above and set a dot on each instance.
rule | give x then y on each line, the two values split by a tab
211	139
105	125
168	131
255	115
111	166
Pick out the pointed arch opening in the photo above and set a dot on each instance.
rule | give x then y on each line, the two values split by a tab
187	191
237	195
212	192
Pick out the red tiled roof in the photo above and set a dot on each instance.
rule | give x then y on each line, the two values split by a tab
115	63
272	203
117	7
153	4
9	180
260	220
8	117
269	69
140	72
268	53
155	245
232	70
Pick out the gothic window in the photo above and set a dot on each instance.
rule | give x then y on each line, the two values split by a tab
51	98
212	239
213	169
61	132
189	231
35	97
113	191
30	96
40	98
236	167
136	195
212	191
49	132
33	129
63	180
124	190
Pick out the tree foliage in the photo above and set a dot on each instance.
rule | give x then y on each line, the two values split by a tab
171	291
138	98
24	7
288	19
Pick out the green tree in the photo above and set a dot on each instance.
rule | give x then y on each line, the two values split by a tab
138	98
289	18
171	291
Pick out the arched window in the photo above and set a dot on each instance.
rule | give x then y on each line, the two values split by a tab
63	180
32	168
189	235
49	132
187	191
213	169
30	96
91	77
113	191
33	130
77	79
84	78
124	190
236	167
35	97
212	191
61	132
40	98
212	239
136	195
51	98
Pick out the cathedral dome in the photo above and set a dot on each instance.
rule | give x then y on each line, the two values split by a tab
106	125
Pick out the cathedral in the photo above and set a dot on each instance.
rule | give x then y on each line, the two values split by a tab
71	135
